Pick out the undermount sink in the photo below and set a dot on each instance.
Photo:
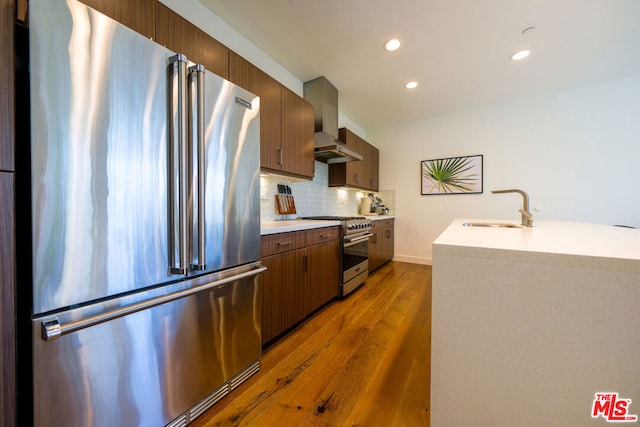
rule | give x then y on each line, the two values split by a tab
491	224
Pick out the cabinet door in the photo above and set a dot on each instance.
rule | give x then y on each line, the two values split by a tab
355	170
323	274
297	135
136	14
6	86
387	244
179	35
360	174
246	75
375	249
7	306
374	170
282	290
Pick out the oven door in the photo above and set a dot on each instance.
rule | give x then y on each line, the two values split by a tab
355	261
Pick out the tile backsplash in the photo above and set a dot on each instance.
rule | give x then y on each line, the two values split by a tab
315	197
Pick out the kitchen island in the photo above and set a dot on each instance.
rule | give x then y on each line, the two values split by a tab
528	324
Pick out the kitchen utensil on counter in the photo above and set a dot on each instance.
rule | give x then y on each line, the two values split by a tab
368	205
284	200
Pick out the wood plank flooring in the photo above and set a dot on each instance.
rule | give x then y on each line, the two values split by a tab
361	361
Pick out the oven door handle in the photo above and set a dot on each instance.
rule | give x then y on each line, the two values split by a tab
349	242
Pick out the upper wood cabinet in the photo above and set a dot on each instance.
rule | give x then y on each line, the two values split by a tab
179	35
359	174
135	14
6	86
297	135
250	77
286	121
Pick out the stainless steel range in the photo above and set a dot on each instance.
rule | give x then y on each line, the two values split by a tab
356	232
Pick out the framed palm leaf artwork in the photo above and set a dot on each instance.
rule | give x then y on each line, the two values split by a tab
453	175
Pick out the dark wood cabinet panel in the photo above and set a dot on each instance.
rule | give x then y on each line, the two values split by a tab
6	85
286	121
282	291
135	14
299	281
7	302
179	35
323	272
381	244
360	174
297	135
248	76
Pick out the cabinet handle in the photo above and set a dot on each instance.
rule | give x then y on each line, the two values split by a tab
284	243
325	236
305	265
375	238
280	153
179	166
356	178
388	233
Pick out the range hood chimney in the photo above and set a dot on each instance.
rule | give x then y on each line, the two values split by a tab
324	98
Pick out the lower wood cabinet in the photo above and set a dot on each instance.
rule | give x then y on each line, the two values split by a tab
7	302
302	275
381	243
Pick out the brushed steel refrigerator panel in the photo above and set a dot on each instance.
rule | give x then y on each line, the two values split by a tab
101	158
232	181
147	368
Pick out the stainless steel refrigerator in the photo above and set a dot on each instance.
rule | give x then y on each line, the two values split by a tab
145	226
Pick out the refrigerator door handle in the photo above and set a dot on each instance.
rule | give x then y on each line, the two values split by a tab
52	328
178	181
196	129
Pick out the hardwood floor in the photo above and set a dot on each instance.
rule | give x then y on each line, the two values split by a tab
361	361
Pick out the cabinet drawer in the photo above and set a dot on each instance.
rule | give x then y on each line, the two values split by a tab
381	223
272	244
321	235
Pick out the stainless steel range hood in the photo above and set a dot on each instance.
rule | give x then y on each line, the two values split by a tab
324	98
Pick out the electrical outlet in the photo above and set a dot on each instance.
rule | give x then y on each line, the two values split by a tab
264	193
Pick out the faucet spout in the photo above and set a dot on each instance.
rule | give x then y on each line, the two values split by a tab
527	216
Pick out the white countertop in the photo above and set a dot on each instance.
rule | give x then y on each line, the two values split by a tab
379	217
283	226
552	237
272	227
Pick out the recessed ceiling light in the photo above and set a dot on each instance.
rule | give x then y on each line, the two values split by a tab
521	54
411	85
392	45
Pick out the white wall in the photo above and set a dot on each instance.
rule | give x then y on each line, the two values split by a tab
576	153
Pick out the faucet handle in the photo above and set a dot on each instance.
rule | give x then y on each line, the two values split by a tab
526	214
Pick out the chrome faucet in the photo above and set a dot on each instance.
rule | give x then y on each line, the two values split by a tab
527	217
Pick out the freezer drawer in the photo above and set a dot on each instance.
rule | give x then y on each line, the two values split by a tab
148	367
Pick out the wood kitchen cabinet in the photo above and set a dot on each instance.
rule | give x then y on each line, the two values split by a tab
250	77
7	302
359	174
381	243
323	267
8	315
138	15
286	121
179	35
298	142
302	275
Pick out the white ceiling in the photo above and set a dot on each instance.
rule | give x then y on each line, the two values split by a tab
456	49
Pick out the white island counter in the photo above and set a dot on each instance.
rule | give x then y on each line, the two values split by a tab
528	324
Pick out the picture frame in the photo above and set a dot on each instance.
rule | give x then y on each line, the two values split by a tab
452	175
